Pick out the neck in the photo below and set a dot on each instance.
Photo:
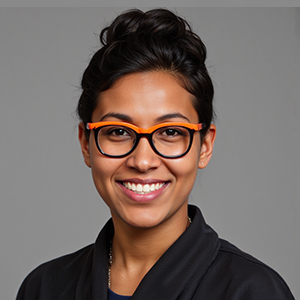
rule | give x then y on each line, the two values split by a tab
135	250
144	246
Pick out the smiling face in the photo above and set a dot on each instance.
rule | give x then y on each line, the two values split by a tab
144	189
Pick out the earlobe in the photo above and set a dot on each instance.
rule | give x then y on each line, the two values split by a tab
84	143
207	147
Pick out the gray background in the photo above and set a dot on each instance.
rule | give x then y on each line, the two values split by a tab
249	193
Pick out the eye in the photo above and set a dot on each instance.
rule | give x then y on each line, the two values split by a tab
118	132
169	132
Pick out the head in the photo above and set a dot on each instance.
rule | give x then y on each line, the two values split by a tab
150	70
156	40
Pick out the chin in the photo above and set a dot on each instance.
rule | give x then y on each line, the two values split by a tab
142	219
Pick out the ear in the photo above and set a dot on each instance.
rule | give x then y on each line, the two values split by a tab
207	147
84	143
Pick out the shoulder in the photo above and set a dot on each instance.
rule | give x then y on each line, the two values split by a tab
51	275
65	264
245	277
245	264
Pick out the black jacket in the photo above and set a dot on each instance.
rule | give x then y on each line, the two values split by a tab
198	265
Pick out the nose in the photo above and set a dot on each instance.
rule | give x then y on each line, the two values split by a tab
143	158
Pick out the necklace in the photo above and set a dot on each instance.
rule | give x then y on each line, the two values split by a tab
109	263
110	257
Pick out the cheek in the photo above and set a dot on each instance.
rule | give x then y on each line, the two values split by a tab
185	169
103	171
185	173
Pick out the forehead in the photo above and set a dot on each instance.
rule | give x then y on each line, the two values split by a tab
146	97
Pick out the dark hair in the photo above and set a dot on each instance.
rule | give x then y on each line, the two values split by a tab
139	41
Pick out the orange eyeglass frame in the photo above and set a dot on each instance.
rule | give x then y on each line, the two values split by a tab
195	127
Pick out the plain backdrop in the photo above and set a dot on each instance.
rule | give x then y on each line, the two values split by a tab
249	193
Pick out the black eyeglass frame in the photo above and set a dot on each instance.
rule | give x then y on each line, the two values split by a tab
148	136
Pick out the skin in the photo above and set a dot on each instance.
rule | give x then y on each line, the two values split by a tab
145	230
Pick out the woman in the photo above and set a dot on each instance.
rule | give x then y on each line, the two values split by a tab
146	112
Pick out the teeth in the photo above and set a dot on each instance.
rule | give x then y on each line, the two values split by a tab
133	187
143	188
139	188
146	188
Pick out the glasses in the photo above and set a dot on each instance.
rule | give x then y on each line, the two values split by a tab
119	139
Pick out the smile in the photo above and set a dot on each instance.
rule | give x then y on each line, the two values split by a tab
143	188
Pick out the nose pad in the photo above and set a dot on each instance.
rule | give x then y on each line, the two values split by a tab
143	158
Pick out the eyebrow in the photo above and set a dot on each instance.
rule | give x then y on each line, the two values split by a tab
122	117
127	118
171	116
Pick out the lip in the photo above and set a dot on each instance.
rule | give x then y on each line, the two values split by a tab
143	198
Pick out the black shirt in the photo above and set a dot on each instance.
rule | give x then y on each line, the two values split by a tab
199	265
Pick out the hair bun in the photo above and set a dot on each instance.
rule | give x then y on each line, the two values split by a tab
157	22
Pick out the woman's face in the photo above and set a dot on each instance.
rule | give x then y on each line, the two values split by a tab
146	99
